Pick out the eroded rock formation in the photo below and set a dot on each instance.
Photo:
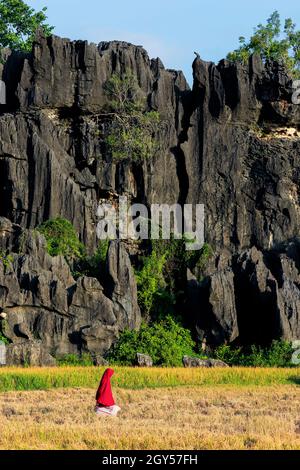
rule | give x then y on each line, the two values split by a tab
231	142
49	314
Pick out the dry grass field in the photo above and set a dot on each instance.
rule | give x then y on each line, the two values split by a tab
185	417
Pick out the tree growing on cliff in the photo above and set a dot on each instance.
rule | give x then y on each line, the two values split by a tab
272	44
19	23
133	130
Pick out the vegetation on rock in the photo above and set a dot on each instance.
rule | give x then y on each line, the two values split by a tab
133	130
161	280
5	259
62	239
94	265
151	283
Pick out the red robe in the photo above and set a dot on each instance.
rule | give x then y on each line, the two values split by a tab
104	396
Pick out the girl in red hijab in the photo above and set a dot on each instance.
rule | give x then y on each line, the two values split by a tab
105	403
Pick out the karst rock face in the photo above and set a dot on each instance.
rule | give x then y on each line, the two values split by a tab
231	143
48	313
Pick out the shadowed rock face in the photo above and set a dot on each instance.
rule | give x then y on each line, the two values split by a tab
231	143
253	300
49	313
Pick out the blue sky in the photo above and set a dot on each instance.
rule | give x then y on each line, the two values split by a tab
169	29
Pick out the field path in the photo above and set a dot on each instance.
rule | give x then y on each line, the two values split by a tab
223	417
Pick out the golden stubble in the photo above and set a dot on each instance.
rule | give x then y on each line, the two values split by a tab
223	417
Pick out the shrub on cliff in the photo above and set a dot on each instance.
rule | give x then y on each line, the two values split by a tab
94	265
132	131
150	282
19	23
3	338
161	279
272	44
166	342
62	239
5	259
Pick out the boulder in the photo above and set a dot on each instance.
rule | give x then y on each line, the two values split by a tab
143	360
197	362
31	353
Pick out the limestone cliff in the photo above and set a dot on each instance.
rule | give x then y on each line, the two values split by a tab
231	143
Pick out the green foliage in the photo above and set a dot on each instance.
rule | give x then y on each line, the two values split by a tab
174	273
132	133
83	360
6	260
231	355
197	260
3	339
272	44
124	93
62	239
203	257
279	354
166	342
93	266
19	23
3	326
150	281
162	279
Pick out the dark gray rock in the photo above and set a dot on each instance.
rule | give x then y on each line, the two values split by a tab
31	353
143	360
52	137
197	362
212	140
100	361
231	143
42	301
122	288
217	363
253	301
9	235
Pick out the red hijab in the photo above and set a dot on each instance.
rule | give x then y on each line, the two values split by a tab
104	394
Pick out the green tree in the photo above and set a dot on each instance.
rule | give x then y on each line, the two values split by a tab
19	23
133	130
272	43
